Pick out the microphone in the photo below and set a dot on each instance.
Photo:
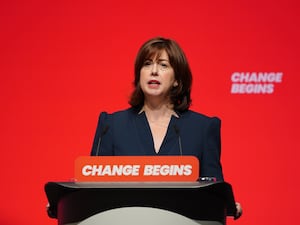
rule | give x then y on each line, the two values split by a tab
103	132
179	139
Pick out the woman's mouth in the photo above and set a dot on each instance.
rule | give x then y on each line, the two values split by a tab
153	83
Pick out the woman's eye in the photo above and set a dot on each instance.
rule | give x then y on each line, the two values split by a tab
147	63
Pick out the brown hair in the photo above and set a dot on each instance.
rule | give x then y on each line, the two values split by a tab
179	95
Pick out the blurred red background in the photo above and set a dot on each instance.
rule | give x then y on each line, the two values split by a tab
62	62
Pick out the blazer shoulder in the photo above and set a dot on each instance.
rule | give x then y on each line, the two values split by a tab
118	116
123	114
200	117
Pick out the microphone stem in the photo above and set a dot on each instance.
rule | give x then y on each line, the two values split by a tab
180	147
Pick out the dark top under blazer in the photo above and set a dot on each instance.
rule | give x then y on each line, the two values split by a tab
128	133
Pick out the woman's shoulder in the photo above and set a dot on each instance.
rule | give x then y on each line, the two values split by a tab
195	120
190	114
123	113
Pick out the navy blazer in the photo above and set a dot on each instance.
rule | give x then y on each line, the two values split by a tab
128	132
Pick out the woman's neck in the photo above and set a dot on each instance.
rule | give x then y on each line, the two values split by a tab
156	112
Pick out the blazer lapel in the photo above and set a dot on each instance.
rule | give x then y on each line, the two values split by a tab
170	142
144	134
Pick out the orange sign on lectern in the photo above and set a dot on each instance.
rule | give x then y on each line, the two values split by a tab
136	168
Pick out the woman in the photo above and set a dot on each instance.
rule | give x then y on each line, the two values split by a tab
159	121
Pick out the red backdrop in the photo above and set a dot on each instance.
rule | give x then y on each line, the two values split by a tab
62	62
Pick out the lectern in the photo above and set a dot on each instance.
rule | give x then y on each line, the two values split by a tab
203	202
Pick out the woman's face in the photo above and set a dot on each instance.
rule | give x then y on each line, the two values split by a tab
157	76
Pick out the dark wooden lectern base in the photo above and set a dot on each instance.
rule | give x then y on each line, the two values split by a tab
74	202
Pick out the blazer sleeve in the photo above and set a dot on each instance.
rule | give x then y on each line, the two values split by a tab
211	158
102	145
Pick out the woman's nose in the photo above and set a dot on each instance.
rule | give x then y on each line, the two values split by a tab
154	69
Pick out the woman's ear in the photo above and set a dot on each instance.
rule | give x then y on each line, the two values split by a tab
175	84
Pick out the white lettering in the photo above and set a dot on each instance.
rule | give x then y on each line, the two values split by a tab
168	170
235	77
86	170
252	88
270	77
108	170
255	82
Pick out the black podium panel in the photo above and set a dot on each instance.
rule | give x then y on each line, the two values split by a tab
73	202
